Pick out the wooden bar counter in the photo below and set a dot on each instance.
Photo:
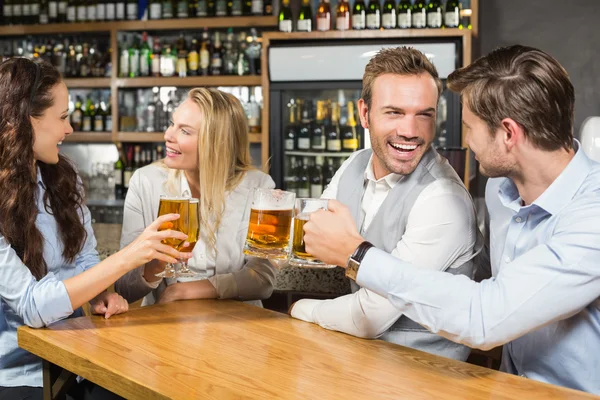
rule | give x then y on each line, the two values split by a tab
231	350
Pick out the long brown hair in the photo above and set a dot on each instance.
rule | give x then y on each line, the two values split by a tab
25	92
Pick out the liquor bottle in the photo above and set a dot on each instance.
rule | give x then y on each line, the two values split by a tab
26	9
128	171
108	116
150	116
7	9
303	189
98	116
305	130
124	61
253	113
328	173
324	16
171	105
404	14
62	11
35	12
156	49
81	11
134	59
52	11
334	139
221	8
44	12
101	10
267	7
349	133
246	7
182	8
216	60
118	173
168	61
155	9
289	167
359	15
132	10
145	56
167	9
85	64
434	14
230	55
192	8
257	7
285	17
242	65
305	17
419	14
234	8
17	12
77	116
291	130
452	14
91	10
253	51
71	11
342	16
388	16
373	15
160	119
211	8
120	10
205	53
193	59
182	54
316	178
318	142
88	114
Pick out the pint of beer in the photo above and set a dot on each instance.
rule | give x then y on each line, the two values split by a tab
270	224
300	257
173	205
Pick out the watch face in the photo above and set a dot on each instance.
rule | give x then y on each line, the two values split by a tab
352	269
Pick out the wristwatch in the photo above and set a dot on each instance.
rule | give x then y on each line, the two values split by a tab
356	258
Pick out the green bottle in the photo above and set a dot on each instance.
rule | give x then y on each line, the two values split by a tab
359	15
388	16
305	17
285	17
404	14
452	14
434	14
373	15
419	14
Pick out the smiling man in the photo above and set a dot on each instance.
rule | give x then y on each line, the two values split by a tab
404	196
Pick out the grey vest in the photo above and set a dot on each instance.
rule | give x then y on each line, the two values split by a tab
387	229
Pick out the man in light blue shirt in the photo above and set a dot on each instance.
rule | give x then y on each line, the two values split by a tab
543	299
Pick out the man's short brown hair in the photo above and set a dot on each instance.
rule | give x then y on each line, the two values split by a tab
400	61
524	84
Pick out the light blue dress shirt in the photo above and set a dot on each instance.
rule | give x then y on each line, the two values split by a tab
26	301
543	300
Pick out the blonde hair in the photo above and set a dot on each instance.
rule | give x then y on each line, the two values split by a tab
223	155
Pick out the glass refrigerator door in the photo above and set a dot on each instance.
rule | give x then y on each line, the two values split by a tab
319	129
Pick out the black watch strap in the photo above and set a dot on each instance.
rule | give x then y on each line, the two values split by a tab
356	258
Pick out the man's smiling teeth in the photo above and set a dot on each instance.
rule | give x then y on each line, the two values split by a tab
404	146
171	151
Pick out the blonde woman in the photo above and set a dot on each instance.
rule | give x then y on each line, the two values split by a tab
208	157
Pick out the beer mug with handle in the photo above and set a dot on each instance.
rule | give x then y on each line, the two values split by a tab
300	257
270	224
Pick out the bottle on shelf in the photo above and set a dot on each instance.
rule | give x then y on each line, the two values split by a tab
145	56
318	141
419	14
85	67
221	8
134	59
132	10
160	118
304	133
359	15
62	11
342	16
128	171
230	54
154	9
108	116
350	140
285	16
216	60
329	172
98	117
91	11
111	10
182	54
257	7
120	12
182	8
205	53
289	177
267	7
324	16
7	9
168	61
193	59
156	50
388	16
304	23
242	65
452	14
434	14
303	188
26	7
291	130
234	8
316	178
81	11
253	51
211	8
17	12
373	15
72	11
334	139
168	9
77	116
118	173
404	14
88	114
44	12
101	10
254	113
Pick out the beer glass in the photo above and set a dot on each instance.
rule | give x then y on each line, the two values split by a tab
270	224
302	211
173	205
193	232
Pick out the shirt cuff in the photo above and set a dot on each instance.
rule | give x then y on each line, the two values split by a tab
304	309
151	285
54	301
378	271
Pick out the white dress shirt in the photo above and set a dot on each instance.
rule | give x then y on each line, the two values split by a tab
440	233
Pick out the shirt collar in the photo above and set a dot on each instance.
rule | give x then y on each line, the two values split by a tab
184	186
39	178
560	192
391	179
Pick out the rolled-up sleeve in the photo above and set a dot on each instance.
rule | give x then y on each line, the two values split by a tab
38	303
253	282
88	256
